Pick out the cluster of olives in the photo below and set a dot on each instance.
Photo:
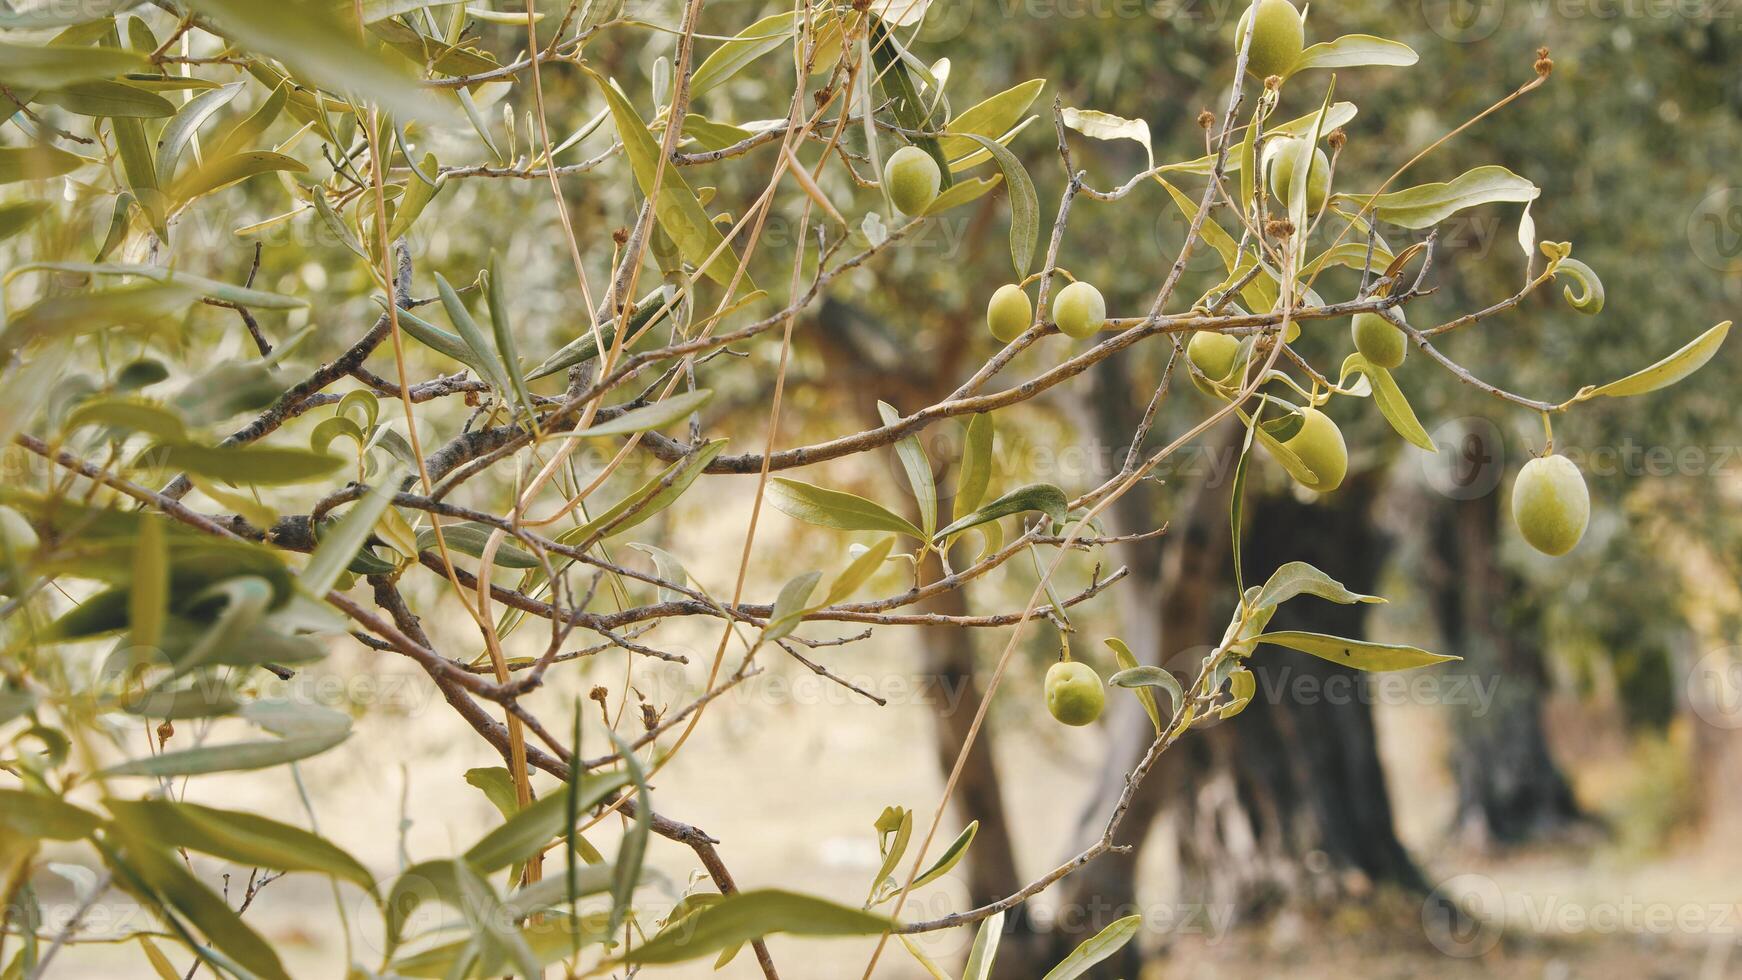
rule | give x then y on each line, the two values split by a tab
1318	442
1079	310
1074	694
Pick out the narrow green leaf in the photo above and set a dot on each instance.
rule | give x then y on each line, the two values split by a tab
676	206
234	757
655	416
256	299
975	473
627	872
1393	404
39	66
148	601
1042	497
1671	369
1359	654
918	469
836	508
790	605
470	538
993	118
763	37
1355	51
482	350
1128	661
506	347
540	822
72	314
858	572
247	465
1299	578
1429	204
218	173
744	916
160	871
649	499
985	948
40	817
115	100
1024	205
1142	677
951	857
961	193
179	132
244	838
340	542
1095	949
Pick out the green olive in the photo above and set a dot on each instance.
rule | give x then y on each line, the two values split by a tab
1280	38
1079	310
1280	155
1213	353
1073	693
1378	340
1551	505
912	177
1009	313
1319	444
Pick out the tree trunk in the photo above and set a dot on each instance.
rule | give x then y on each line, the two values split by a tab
1288	802
1510	790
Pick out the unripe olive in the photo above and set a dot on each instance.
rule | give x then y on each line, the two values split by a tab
1280	38
1551	505
1079	310
912	177
1378	340
1280	156
1213	353
1319	444
1009	313
1073	693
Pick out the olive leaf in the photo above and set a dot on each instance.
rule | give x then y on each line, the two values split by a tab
918	469
897	83
1671	369
1359	654
1355	51
316	44
1095	949
244	838
37	66
1147	676
160	874
961	193
745	916
648	499
70	314
836	509
976	467
985	948
502	327
675	205
538	823
341	542
256	299
951	856
1391	401
1042	497
115	100
992	117
1299	578
246	465
179	132
894	828
1242	685
42	817
789	606
1024	204
1127	661
626	873
858	572
1099	125
1429	204
470	538
647	417
763	37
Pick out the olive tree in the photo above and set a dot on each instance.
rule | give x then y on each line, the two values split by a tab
219	476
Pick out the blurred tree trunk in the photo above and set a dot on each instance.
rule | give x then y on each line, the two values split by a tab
1510	790
1287	803
867	363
